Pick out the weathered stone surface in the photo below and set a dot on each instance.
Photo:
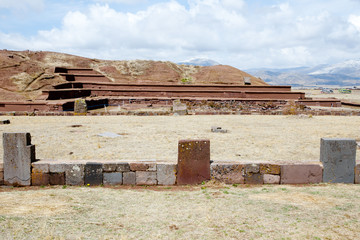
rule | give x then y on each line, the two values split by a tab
57	178
143	167
338	158
357	174
301	174
217	129
166	174
80	107
129	178
228	173
266	168
1	167
252	168
193	161
39	179
146	178
40	167
18	156
1	178
123	167
254	178
74	174
110	167
179	108
57	167
113	178
93	174
271	179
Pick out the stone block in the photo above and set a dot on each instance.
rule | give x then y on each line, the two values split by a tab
357	173
57	178
143	167
166	174
217	129
129	178
228	173
179	108
338	158
80	107
1	167
271	179
74	174
254	178
123	167
113	178
146	178
266	168
93	174
110	167
40	167
39	179
301	174
57	167
252	168
18	156
193	161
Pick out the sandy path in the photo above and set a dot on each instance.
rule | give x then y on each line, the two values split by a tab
251	138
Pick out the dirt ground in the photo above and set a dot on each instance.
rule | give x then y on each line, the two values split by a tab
198	212
250	138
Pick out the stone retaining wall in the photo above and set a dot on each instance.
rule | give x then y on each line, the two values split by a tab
78	173
193	167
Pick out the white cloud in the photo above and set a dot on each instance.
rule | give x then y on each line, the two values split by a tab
355	21
291	33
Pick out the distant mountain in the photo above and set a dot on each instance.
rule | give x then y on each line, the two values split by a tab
199	62
342	74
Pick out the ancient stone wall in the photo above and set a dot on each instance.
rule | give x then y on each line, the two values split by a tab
193	167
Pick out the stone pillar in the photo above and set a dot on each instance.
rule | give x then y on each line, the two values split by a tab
338	158
18	156
193	161
80	107
179	108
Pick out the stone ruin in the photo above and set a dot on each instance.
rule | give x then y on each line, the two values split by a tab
98	91
20	168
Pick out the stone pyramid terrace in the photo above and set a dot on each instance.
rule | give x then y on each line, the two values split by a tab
100	91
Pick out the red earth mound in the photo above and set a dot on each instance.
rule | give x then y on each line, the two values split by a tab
24	74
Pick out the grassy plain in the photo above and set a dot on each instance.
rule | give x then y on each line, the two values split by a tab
198	212
250	138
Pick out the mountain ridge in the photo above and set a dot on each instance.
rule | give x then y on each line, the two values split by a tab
343	74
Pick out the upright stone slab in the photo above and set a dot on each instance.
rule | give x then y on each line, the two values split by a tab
179	108
338	158
93	174
193	161
18	156
80	107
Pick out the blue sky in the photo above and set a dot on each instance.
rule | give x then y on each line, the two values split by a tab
242	33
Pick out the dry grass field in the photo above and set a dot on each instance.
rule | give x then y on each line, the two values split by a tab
250	138
354	96
199	212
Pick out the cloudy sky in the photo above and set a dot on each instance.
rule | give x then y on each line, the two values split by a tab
242	33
